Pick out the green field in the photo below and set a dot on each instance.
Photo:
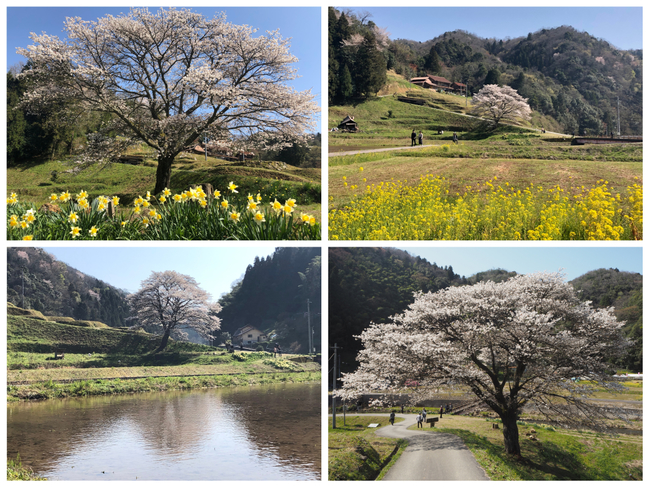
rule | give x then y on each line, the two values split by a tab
102	360
36	180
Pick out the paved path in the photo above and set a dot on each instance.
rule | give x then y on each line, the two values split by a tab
430	456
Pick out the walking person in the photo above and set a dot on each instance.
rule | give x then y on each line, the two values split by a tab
423	415
454	138
392	418
441	412
421	138
413	138
419	425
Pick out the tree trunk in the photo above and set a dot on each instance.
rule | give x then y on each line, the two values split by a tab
163	343
163	173
510	433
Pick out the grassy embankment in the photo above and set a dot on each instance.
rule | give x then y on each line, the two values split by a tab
387	122
34	181
356	453
101	360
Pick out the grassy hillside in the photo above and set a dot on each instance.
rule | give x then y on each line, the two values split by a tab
36	180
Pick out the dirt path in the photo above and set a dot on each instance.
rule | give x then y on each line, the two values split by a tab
386	149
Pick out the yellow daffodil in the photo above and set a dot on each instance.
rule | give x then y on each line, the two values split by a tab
116	200
73	217
224	204
233	187
75	232
53	197
65	196
13	221
166	192
93	232
259	218
28	237
234	216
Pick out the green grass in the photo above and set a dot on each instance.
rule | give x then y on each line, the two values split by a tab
356	453
556	455
52	390
33	181
16	471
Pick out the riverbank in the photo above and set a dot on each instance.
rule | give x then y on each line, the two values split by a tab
100	387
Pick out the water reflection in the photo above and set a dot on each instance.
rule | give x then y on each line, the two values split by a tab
254	433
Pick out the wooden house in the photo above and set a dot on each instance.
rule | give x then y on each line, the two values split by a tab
348	125
248	335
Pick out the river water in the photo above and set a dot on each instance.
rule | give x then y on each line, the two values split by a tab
269	432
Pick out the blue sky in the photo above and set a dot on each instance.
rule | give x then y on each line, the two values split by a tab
301	24
214	268
621	26
572	261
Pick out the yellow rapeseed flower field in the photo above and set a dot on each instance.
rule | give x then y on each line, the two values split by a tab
492	211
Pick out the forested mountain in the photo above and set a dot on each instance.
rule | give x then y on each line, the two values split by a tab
56	289
623	291
371	284
566	74
272	296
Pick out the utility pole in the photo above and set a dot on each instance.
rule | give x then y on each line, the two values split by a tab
308	321
22	278
618	116
333	389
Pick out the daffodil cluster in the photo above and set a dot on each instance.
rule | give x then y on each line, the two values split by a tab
191	214
491	211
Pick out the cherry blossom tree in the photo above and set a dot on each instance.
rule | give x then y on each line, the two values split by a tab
528	342
169	302
169	77
500	103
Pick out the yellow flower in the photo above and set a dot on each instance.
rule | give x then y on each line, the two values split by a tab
250	197
123	224
65	196
146	221
217	194
258	196
73	217
312	221
361	168
116	200
148	195
152	213
29	217
252	206
224	204
53	197
233	187
259	218
83	203
276	205
93	232
234	216
306	218
75	232
203	203
102	206
13	221
159	216
138	210
23	224
177	198
287	209
138	201
145	203
28	237
162	199
82	194
166	192
290	202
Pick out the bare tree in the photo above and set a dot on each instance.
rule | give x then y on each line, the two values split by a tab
525	342
171	76
500	103
169	302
